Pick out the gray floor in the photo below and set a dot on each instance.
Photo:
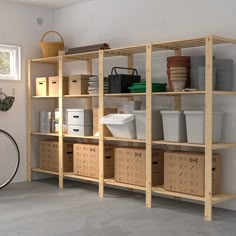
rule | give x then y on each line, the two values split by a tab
40	208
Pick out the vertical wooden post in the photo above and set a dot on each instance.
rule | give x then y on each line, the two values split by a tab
177	97
101	114
208	128
130	65
178	52
149	125
29	110
177	102
89	102
60	103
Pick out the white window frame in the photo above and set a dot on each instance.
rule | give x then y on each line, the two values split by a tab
15	62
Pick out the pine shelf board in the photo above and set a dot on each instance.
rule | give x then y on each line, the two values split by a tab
80	137
125	140
44	97
73	176
124	94
184	144
112	182
161	190
81	96
45	134
217	146
45	171
46	60
222	197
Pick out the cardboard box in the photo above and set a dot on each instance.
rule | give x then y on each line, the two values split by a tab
54	85
185	173
41	86
107	111
78	84
130	166
49	156
86	160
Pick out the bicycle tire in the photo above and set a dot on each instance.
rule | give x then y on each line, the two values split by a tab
17	162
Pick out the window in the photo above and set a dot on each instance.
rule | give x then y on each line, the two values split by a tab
9	62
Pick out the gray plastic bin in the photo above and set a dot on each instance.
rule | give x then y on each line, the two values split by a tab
157	127
174	126
196	126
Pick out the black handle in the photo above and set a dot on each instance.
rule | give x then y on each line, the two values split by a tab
76	130
74	81
123	68
75	116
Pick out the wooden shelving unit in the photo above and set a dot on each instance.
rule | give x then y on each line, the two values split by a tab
128	52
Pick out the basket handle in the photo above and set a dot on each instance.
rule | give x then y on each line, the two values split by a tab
123	68
52	31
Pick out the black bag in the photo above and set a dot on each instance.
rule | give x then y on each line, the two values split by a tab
119	83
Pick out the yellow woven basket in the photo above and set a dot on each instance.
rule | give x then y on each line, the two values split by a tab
50	49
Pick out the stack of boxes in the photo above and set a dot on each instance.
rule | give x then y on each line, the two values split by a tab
80	122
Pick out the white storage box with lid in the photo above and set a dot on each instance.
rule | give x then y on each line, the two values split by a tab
80	116
157	127
120	125
174	126
196	126
80	130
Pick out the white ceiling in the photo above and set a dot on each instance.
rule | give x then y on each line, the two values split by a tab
49	3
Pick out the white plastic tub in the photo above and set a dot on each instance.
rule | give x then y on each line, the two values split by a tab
174	126
157	127
196	126
120	125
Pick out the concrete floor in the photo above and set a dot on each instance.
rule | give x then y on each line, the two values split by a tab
40	208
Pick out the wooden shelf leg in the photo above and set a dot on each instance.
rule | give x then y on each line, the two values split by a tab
29	143
208	129
101	128
60	102
149	126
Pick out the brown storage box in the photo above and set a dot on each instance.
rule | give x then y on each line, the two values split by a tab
41	86
54	85
86	160
107	111
78	84
185	173
49	155
130	166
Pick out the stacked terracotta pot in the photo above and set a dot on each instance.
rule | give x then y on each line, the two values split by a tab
178	71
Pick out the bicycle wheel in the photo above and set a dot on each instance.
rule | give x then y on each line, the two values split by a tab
9	158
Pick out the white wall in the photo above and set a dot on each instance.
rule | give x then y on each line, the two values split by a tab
134	22
18	27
